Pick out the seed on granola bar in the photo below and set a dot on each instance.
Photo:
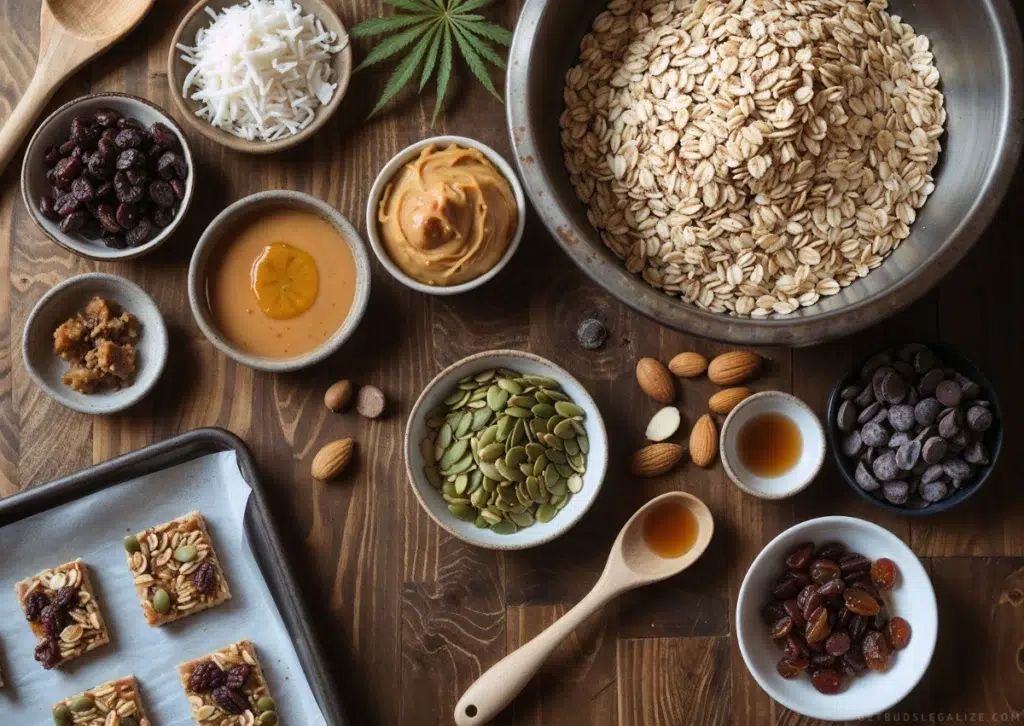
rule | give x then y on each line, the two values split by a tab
131	544
62	715
186	553
82	703
161	601
116	703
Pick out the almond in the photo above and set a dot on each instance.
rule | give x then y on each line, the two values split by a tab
655	380
704	441
663	424
338	395
688	365
656	459
737	366
727	399
332	459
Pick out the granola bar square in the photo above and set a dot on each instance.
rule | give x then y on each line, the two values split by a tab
61	607
228	688
176	570
116	702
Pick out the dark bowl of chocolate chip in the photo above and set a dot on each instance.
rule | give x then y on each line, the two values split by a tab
108	176
915	429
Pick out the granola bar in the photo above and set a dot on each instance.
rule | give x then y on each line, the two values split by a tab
176	570
62	610
227	688
116	703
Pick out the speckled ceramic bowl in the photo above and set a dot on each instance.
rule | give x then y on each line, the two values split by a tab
61	303
430	499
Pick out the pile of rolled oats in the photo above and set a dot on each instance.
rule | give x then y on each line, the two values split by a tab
751	156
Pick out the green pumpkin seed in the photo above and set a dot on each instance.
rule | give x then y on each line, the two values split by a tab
523	495
464	423
62	715
561	505
466	383
578	463
524	519
161	601
569	409
534	451
545	513
543	410
550	476
462	511
517	412
584	441
523	401
131	544
542	397
565	430
540	465
575	483
553	422
517	433
186	553
453	453
490	471
484	376
527	468
462	465
267	718
489	435
515	456
480	418
479	498
556	456
448	489
82	704
491	452
266	704
491	516
481	523
461	484
476	478
580	428
504	527
564	470
542	381
496	398
571	447
509	473
505	426
507	384
560	487
556	395
553	442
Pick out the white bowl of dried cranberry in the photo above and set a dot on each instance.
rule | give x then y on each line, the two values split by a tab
863	692
148	195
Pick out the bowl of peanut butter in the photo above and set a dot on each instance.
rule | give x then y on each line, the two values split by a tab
445	215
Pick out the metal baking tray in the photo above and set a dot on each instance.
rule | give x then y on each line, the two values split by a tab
259	525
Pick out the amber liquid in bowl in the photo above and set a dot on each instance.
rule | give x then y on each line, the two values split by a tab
282	283
770	444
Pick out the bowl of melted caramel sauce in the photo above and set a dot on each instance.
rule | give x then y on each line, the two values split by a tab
279	280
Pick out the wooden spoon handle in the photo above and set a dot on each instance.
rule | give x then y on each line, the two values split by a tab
40	89
497	688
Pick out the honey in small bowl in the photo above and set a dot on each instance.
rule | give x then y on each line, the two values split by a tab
670	530
770	444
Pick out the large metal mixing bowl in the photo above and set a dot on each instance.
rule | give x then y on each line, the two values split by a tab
977	48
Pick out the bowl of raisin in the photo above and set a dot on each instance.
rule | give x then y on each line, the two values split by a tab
837	619
108	176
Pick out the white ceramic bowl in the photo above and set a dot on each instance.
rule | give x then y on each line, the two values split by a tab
54	131
870	693
430	499
394	166
213	237
812	454
61	303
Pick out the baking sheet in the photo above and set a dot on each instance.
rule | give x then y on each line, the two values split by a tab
93	528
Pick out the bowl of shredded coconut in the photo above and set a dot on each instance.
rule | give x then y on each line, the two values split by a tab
259	76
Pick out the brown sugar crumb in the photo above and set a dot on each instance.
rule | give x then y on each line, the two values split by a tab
99	342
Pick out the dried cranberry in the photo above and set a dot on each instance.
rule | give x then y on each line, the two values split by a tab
127	216
129	123
128	138
163	216
51	157
67	147
105	216
138	234
179	188
206	676
99	166
34	604
82	189
127	193
205	578
67	170
105	190
66	204
48	653
66	597
238	675
163	136
79	129
130	159
230	700
73	222
171	165
110	135
46	208
114	241
161	193
106	118
53	619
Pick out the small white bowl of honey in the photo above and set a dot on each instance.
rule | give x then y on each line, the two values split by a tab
773	445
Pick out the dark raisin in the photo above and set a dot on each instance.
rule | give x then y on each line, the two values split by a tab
782	628
66	597
818	627
79	129
67	170
137	177
179	188
832	588
172	165
46	208
161	193
115	241
876	651
238	675
858	627
128	138
105	190
51	157
770	613
801	578
791	667
127	193
106	217
822	660
130	159
205	677
883	574
230	700
162	135
73	222
801	599
859	601
153	154
205	578
843	617
827	681
163	216
138	234
82	189
795	647
838	643
127	216
99	166
34	604
65	204
824	570
106	118
48	653
813	602
786	587
794	612
853	562
53	619
898	631
854	660
800	556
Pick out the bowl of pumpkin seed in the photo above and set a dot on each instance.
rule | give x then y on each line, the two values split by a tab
505	450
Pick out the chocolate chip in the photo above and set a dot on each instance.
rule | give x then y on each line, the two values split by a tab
882	416
979	419
948	393
869	413
876	382
934	491
908	455
956	469
874	363
896	492
885	467
924	361
929	382
853	444
948	427
933	473
898	439
927	411
894	388
866	397
874	434
977	454
905	370
934	450
849	393
901	416
864	478
968	388
847	417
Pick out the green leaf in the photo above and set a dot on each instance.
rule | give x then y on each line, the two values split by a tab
481	47
431	62
392	45
403	73
414	6
444	72
464	6
491	31
472	59
388	24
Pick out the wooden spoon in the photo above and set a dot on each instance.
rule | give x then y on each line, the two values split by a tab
630	565
71	33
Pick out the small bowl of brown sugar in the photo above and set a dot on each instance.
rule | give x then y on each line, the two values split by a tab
95	343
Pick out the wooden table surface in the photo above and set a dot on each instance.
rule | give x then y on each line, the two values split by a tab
409	615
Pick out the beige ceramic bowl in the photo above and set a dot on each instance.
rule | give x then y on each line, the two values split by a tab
177	69
430	499
214	236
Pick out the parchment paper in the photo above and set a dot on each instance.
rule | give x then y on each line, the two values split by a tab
93	528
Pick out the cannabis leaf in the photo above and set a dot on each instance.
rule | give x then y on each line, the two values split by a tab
428	31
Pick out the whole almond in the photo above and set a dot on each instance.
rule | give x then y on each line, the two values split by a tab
734	367
332	459
727	399
704	441
655	380
338	395
656	459
688	365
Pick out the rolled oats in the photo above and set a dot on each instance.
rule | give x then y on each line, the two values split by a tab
113	704
175	569
752	156
247	694
62	599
